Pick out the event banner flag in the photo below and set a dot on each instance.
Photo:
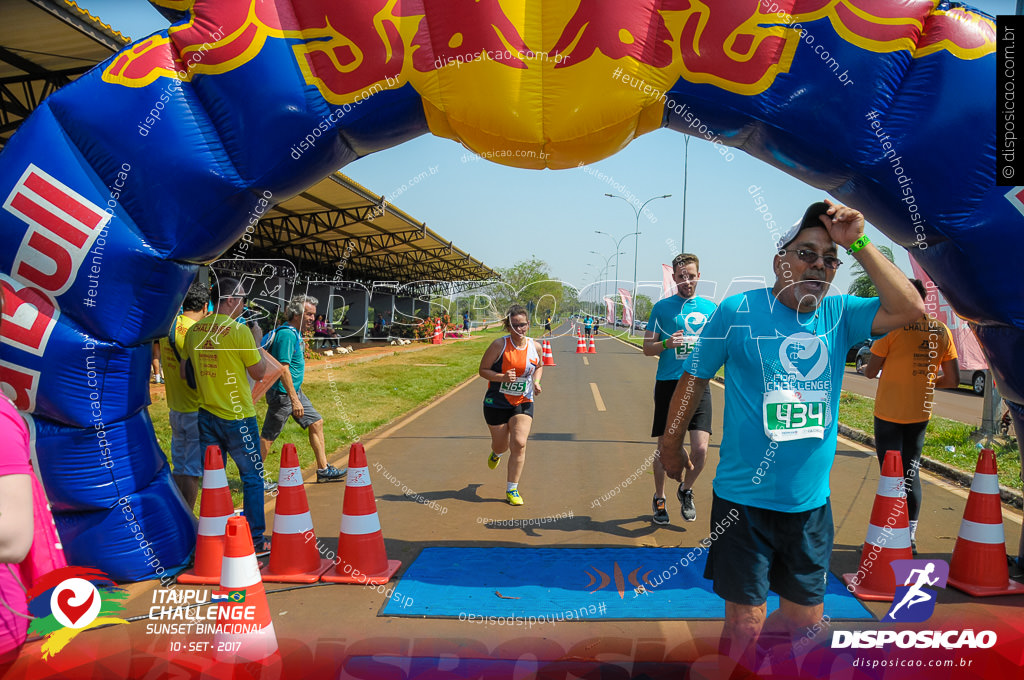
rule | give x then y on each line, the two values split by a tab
627	307
610	315
668	285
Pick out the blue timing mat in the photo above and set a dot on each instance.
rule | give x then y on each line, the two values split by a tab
569	584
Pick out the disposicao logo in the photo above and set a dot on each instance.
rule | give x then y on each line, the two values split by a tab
914	602
915	599
69	600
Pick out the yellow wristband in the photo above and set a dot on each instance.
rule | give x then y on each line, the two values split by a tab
858	244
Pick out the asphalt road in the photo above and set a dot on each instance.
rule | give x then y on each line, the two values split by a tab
958	404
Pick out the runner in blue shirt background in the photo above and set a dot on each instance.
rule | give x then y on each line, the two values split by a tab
672	331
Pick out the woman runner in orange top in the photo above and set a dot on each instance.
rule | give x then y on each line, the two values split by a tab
513	367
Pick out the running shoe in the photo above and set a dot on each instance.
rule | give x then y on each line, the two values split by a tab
660	512
493	460
1015	568
513	497
330	474
686	498
269	486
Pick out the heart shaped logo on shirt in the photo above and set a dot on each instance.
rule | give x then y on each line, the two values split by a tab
802	347
694	322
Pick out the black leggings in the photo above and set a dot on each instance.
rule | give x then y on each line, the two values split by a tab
908	439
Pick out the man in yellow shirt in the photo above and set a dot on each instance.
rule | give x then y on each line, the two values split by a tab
222	352
182	400
911	356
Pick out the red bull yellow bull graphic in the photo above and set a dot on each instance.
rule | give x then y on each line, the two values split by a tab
500	61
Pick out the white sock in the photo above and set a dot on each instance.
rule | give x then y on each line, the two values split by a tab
497	455
512	486
913	529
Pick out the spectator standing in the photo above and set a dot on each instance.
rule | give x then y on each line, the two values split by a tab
222	351
911	357
29	547
155	371
285	397
182	400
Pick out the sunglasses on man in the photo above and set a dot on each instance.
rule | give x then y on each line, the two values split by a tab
810	257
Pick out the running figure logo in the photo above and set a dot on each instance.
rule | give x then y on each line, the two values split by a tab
914	600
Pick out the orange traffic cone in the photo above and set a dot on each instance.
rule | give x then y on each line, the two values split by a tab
581	346
978	566
549	358
215	507
437	333
294	557
245	631
361	554
593	347
888	536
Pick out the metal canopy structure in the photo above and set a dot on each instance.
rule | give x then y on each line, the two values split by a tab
44	45
335	230
339	230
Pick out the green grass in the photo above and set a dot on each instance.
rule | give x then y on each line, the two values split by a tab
858	412
623	334
356	398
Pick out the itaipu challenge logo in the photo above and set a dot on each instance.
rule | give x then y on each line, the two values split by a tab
70	600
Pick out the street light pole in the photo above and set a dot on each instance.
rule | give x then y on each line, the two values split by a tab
636	247
607	266
686	167
618	244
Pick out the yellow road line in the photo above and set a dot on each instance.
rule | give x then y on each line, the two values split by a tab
597	397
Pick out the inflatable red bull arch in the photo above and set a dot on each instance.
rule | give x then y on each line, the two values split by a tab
120	184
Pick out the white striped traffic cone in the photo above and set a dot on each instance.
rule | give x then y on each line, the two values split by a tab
888	536
978	566
215	507
362	557
548	357
294	557
581	346
245	631
593	347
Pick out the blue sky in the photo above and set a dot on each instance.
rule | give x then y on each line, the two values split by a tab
502	215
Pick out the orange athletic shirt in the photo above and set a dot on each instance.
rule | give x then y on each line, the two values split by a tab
525	361
904	392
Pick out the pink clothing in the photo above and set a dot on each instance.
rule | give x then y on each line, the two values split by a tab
14	460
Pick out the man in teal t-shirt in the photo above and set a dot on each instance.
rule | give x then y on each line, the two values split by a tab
285	397
672	331
783	349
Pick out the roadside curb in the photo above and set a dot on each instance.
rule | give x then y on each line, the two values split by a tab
624	342
1008	495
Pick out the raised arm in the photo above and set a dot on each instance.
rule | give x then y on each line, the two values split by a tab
900	302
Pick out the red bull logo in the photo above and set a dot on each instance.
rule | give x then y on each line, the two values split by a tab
346	47
507	60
